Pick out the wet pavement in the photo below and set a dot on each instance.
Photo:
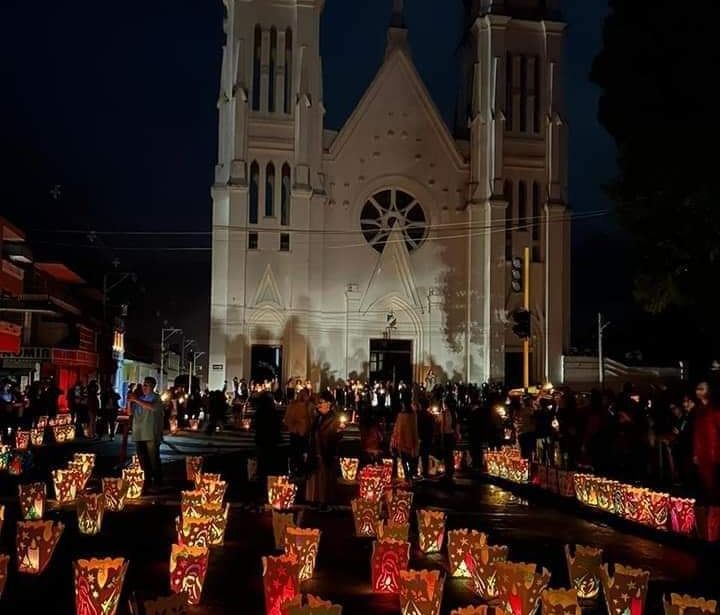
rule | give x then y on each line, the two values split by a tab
536	530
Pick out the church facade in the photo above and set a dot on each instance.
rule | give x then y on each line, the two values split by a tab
384	250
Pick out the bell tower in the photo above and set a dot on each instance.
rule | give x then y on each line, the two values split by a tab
269	167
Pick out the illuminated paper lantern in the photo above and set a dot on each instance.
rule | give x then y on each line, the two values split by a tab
658	509
82	474
98	585
246	424
63	433
37	437
281	492
565	481
618	495
281	522
374	481
87	460
42	422
678	605
192	503
22	440
4	457
114	491
645	507
458	459
35	543
682	515
605	498
213	490
560	602
387	462
135	463
484	573
584	570
302	545
388	558
193	531
435	466
218	515
175	604
135	479
17	463
90	510
625	591
206	476
421	592
173	424
280	582
366	515
188	567
399	505
349	467
194	424
392	531
32	500
520	587
4	560
464	547
66	484
431	530
314	606
193	467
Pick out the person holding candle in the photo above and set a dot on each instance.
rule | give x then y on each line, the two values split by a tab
322	462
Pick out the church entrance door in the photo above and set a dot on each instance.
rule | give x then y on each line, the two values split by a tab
391	360
265	362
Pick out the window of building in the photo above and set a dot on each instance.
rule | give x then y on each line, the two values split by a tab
508	220
273	64
536	115
257	53
523	94
522	220
393	210
509	92
270	190
535	211
284	242
285	196
254	193
252	241
288	70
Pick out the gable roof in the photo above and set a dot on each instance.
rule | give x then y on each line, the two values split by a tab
398	57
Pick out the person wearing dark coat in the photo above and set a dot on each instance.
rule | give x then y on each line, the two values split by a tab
267	433
322	462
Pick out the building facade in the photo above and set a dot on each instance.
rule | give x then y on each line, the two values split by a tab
383	250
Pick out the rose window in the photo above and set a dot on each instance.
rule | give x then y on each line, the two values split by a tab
393	210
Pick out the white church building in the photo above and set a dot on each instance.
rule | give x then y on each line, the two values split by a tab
383	250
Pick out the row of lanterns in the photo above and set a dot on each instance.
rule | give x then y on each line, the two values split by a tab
508	464
13	459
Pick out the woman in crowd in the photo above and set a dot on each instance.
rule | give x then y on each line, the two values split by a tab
706	443
405	441
322	463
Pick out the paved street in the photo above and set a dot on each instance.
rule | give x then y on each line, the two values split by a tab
536	531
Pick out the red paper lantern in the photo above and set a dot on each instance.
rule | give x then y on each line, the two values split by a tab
98	585
520	587
682	515
366	515
464	548
188	567
281	492
280	582
35	543
193	467
303	545
421	592
4	560
374	481
625	590
388	558
32	500
114	491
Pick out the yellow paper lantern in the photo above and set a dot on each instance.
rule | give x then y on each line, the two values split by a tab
87	460
35	543
22	440
421	592
218	515
688	605
193	531
366	515
37	437
188	567
66	484
135	479
484	573
349	467
90	510
431	530
520	586
464	548
584	570
399	506
212	487
560	602
281	492
32	500
192	503
114	492
625	590
303	545
393	531
193	467
98	585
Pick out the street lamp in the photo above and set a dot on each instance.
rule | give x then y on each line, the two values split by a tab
165	335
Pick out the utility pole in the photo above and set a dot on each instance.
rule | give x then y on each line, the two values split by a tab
165	334
526	306
601	358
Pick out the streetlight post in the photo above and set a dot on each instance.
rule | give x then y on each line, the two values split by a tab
165	334
601	357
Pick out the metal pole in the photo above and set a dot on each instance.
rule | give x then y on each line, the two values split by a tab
526	305
162	360
601	358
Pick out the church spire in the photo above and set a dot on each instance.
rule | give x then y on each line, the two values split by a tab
397	33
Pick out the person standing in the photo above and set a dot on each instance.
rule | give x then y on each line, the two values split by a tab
426	433
267	432
405	439
298	420
110	406
322	462
450	430
706	444
93	408
147	430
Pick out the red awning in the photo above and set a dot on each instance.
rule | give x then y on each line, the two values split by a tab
10	337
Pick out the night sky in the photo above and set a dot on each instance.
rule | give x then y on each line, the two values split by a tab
117	104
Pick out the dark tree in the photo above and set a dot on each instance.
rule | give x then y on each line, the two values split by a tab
658	69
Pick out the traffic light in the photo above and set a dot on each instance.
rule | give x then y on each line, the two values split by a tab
521	323
516	274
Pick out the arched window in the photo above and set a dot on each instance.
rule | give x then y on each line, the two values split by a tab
270	190
288	71
285	196
257	52
535	211
254	193
509	102
522	220
273	64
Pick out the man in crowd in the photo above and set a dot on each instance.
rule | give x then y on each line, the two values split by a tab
148	419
